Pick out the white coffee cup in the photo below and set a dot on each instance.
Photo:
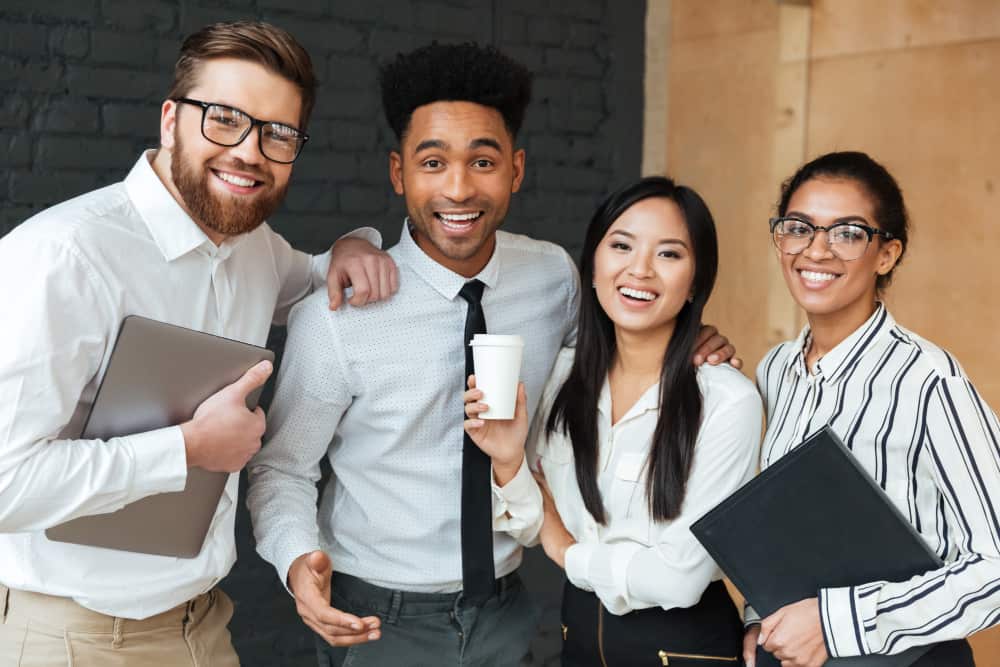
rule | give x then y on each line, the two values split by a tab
497	360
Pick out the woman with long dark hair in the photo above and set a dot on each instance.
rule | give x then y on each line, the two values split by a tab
635	442
902	405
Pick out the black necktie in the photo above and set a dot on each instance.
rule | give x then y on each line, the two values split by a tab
478	575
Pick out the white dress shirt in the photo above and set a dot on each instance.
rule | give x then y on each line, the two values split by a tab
913	420
634	562
378	390
68	276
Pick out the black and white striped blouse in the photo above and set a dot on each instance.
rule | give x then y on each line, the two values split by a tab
911	416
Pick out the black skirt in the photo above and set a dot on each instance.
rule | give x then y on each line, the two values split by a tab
709	634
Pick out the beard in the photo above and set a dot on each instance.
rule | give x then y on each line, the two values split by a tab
224	214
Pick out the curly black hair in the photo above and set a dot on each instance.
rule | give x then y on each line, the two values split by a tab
454	72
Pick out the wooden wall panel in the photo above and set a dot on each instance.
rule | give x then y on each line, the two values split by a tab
846	27
720	136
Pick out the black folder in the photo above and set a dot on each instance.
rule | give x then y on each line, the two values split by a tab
814	519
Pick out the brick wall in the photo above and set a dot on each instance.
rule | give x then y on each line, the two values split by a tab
82	81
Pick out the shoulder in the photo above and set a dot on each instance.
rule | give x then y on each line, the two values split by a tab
542	253
776	357
77	222
931	358
723	386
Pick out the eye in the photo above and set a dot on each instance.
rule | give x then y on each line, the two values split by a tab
483	163
669	254
848	234
432	164
620	245
225	116
795	228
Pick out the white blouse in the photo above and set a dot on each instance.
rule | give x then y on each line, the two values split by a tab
634	562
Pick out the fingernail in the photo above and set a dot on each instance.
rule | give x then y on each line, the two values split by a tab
372	635
355	626
712	358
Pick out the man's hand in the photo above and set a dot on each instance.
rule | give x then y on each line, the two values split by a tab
794	635
358	264
500	439
223	435
750	645
309	580
553	535
715	348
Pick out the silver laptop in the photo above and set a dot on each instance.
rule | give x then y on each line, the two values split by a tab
158	375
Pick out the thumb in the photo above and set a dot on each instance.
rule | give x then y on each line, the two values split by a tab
334	290
253	378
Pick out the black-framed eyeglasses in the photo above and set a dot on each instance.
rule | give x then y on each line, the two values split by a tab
846	240
228	126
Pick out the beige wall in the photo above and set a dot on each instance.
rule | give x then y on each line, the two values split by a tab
753	91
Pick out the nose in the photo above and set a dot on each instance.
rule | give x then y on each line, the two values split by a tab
248	150
640	265
819	248
458	186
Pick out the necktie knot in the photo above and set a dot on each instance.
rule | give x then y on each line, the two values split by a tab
472	291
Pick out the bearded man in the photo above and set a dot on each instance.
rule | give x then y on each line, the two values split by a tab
182	240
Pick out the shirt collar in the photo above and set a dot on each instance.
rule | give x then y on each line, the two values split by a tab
173	230
837	361
442	279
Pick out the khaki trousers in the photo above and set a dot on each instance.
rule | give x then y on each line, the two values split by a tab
44	631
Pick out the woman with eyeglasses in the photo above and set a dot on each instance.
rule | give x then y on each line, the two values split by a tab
635	442
902	405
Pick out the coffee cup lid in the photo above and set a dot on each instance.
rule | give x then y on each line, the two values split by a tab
499	340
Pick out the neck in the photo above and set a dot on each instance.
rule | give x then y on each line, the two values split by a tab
641	354
161	164
830	329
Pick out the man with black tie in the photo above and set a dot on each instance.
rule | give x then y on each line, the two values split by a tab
421	531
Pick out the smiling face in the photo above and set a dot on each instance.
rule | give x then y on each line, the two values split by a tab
825	286
644	267
457	168
228	190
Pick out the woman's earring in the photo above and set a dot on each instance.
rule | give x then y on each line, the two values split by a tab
691	299
594	284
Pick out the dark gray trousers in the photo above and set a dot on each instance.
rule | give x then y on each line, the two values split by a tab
435	629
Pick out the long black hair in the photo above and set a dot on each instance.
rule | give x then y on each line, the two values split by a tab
574	411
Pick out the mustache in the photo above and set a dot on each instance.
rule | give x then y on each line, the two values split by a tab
236	164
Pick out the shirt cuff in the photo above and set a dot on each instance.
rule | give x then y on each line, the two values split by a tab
578	557
750	616
369	234
842	631
319	268
160	462
520	498
283	561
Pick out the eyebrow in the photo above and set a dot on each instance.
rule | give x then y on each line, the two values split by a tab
837	221
479	142
630	235
430	143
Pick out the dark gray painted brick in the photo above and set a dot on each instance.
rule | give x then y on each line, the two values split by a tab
14	110
67	114
134	50
131	119
84	152
15	149
54	186
23	40
59	11
39	77
154	16
116	82
70	40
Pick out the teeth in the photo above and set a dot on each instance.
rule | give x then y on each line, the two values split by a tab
637	294
235	180
816	276
458	218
